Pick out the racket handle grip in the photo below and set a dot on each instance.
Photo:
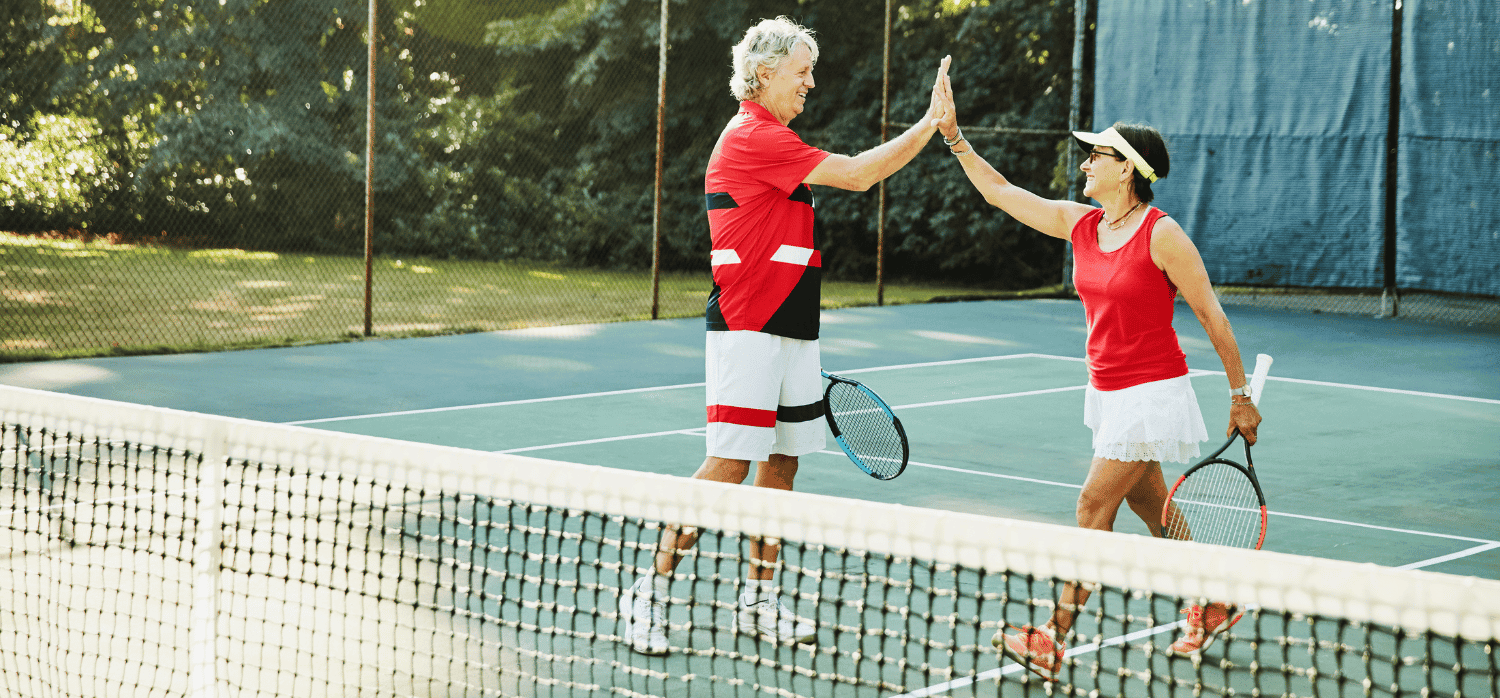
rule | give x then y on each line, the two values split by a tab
1258	379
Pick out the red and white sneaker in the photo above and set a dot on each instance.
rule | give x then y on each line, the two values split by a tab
1037	649
1204	625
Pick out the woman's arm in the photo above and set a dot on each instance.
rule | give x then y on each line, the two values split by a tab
1050	216
1175	254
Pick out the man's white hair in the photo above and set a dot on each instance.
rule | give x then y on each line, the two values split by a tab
768	44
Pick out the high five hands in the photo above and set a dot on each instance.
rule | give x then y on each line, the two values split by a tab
945	117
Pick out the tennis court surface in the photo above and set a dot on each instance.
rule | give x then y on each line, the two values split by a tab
454	516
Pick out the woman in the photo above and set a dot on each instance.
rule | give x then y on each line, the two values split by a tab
1130	262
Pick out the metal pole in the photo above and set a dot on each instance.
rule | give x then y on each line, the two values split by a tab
1075	100
661	148
1075	123
885	106
370	181
1389	303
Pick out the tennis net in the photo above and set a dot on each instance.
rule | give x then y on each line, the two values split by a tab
151	552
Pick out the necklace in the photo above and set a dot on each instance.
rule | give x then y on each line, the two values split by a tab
1121	220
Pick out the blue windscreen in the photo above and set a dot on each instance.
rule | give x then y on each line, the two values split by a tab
1448	231
1277	116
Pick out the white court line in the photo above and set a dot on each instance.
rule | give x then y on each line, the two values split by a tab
1014	668
1452	556
1351	386
956	362
578	396
700	431
952	362
984	398
1484	543
507	403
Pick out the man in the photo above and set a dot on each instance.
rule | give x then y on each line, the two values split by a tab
764	380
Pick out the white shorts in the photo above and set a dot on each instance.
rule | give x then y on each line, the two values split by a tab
765	395
1156	421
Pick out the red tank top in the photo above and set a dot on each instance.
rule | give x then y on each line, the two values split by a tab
1127	302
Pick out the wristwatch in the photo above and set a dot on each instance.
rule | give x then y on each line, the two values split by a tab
1242	390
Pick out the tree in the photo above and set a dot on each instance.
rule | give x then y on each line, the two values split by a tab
253	111
526	129
591	75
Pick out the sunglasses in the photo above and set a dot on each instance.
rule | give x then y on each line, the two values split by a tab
1094	156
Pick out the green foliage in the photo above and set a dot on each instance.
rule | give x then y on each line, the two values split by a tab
523	129
55	168
256	116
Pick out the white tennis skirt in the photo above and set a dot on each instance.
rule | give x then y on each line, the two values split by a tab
1157	421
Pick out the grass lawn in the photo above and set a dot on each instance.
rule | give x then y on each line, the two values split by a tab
65	298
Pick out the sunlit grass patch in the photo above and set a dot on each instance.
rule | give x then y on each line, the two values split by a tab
66	298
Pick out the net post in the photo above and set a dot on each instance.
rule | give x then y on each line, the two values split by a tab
208	538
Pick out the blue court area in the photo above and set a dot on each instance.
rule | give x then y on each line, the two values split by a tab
1380	444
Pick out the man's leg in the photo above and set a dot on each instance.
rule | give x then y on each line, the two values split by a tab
675	539
776	473
761	611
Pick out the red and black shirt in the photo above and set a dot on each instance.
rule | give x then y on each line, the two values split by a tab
766	267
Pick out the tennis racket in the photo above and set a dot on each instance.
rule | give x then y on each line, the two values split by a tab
1219	501
865	427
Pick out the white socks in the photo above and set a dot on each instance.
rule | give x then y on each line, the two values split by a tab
660	585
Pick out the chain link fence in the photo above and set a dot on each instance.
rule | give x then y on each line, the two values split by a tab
182	177
194	177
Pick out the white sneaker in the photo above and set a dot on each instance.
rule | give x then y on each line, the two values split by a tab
771	619
644	617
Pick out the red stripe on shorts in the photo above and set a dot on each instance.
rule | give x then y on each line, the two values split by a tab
744	416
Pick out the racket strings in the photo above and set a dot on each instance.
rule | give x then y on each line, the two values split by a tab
866	429
1216	504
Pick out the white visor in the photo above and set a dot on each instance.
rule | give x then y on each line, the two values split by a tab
1112	138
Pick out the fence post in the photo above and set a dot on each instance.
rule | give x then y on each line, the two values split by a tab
370	180
1075	123
885	110
661	139
1388	295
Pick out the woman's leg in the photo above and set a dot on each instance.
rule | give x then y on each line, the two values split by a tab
1109	483
1148	497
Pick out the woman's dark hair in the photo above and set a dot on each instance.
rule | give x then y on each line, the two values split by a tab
1148	142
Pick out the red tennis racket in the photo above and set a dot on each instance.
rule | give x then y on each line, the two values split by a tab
1219	501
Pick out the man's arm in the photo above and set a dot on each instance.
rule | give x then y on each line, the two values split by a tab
860	172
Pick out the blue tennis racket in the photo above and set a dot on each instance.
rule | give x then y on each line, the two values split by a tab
865	427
